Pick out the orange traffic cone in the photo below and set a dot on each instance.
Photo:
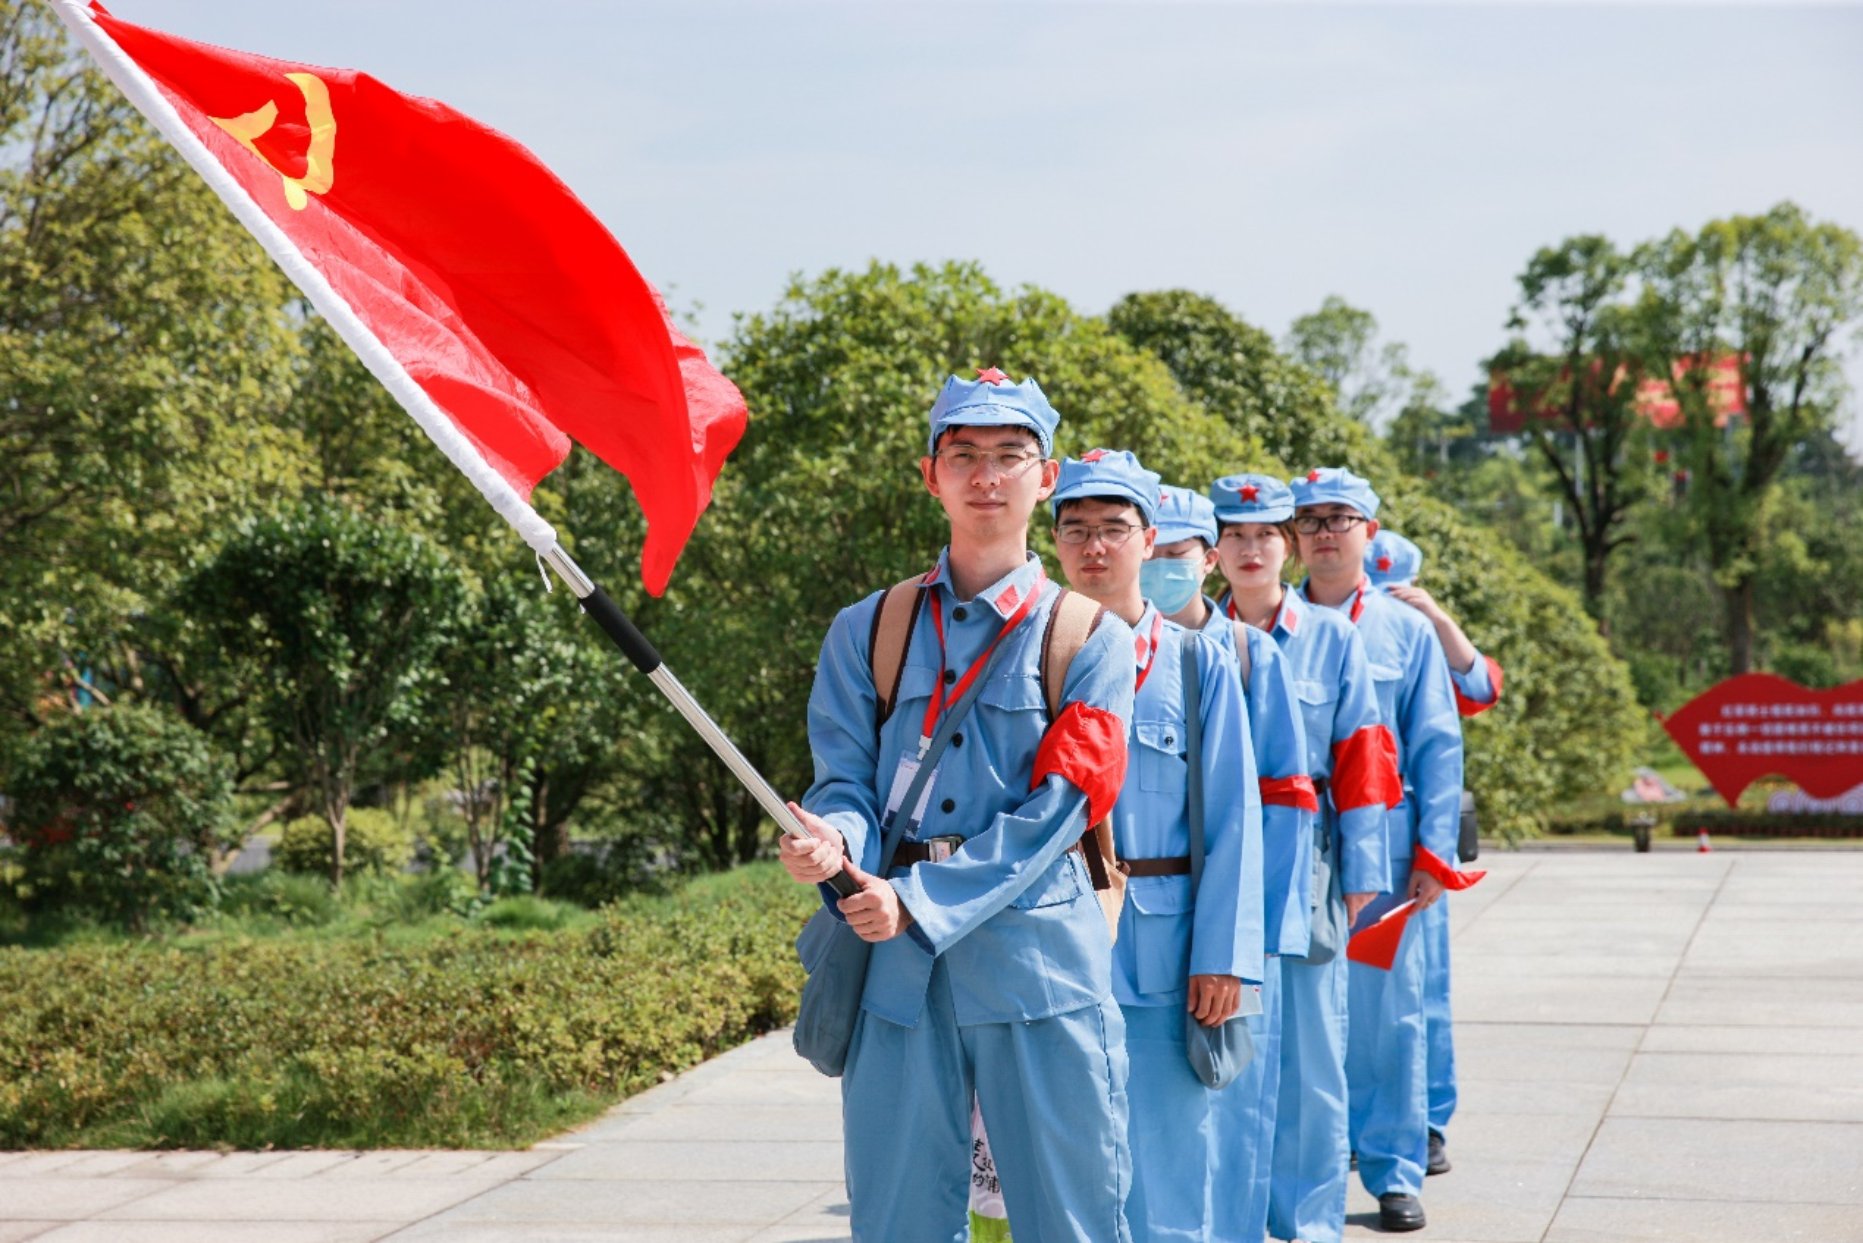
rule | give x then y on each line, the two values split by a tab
1701	842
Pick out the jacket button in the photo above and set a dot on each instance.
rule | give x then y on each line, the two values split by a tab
957	740
950	676
1168	740
959	613
948	806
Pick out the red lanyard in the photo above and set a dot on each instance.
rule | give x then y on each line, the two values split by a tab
942	695
1272	617
1149	651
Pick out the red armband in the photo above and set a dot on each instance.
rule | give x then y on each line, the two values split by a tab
1087	746
1470	707
1289	792
1365	770
1427	860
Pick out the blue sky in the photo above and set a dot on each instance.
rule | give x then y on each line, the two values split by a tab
1407	157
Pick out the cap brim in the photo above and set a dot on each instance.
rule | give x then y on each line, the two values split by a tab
1098	488
1172	534
1279	514
986	415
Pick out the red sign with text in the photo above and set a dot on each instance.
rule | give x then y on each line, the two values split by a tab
1761	725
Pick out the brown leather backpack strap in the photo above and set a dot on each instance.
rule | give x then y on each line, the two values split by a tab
894	619
1071	622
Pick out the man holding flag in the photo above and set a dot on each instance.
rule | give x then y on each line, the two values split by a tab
991	965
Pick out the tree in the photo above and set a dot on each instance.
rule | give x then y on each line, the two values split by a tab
122	812
1338	343
1780	294
1581	410
533	707
1233	369
143	342
345	617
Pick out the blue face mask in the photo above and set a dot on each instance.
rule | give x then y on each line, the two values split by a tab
1171	584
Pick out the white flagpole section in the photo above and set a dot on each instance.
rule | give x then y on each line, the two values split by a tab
142	91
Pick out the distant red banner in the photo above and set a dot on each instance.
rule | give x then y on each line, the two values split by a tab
1760	725
1655	400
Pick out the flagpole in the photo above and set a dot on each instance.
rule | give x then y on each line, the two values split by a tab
142	91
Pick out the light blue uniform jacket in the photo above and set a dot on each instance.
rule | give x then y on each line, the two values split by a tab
1165	935
1279	739
1332	680
1417	701
1012	912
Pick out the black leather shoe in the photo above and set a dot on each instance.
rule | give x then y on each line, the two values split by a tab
1399	1213
1439	1155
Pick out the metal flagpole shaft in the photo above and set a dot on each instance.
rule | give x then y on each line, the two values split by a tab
634	645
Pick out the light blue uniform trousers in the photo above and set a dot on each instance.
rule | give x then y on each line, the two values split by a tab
1307	1194
1387	1061
1245	1114
1053	1094
1170	1132
1437	1016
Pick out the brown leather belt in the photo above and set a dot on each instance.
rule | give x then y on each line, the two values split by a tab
1176	865
939	848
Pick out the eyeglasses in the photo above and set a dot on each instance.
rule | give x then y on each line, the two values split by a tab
1338	524
967	460
1112	534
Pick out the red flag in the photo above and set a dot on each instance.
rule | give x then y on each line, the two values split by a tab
1376	944
486	280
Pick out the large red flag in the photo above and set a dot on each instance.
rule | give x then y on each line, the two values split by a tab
509	304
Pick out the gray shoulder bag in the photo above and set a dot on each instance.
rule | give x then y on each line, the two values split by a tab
1218	1054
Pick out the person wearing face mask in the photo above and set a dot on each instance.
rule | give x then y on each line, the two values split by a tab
1335	518
1182	560
1349	761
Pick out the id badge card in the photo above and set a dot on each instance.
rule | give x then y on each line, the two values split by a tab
903	778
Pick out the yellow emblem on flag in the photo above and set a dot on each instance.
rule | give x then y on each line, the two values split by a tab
319	169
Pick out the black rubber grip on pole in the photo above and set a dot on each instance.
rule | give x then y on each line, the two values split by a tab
843	884
627	637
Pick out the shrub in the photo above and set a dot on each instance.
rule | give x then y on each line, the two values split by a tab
119	813
475	1038
373	842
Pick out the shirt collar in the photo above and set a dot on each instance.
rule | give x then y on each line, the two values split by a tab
1005	595
1364	588
1286	618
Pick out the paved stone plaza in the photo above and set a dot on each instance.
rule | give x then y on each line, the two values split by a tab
1664	1046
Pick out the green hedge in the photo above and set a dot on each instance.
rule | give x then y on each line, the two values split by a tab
476	1039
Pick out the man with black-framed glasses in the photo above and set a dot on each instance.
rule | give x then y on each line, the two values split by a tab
1335	519
990	973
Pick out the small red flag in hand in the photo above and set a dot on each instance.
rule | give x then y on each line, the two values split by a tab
1376	944
477	271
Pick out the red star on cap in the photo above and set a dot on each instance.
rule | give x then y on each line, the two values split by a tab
1313	476
1384	564
1250	491
990	375
1093	455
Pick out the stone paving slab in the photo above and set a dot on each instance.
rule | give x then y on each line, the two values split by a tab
1653	1047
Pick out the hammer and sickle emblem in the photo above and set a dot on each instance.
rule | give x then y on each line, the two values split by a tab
319	172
